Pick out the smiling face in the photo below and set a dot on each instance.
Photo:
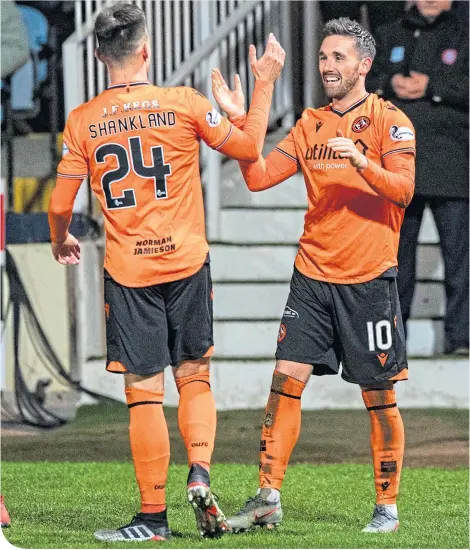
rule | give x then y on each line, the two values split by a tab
341	66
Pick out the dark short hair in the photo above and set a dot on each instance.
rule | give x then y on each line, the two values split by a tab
365	43
119	30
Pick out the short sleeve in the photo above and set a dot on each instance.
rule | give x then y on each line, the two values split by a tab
74	163
211	126
397	132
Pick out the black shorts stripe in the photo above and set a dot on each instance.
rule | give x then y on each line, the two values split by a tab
145	403
381	407
375	389
285	394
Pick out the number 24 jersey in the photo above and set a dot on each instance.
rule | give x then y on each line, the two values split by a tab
139	144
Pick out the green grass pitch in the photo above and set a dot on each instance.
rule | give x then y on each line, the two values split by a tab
60	504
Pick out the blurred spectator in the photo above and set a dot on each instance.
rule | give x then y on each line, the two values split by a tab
60	17
378	13
422	67
59	14
14	39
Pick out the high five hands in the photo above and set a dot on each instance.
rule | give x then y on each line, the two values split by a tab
267	68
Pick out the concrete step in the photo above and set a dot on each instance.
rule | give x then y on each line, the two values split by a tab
245	385
235	193
432	383
275	263
249	301
252	262
256	339
270	225
266	301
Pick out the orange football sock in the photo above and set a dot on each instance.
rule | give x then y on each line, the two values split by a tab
281	429
387	440
197	418
150	446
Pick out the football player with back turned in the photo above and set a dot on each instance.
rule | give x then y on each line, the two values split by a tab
139	146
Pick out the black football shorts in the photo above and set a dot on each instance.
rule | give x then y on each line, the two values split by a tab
152	327
357	325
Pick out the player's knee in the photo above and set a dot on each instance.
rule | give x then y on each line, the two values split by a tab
379	397
188	368
388	385
299	371
153	382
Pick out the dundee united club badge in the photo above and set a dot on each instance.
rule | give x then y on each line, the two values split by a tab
360	124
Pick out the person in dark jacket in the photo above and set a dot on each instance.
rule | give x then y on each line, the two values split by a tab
378	13
422	67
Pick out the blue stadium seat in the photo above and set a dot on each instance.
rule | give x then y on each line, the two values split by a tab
25	81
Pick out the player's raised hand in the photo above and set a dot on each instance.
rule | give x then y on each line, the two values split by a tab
269	66
231	101
347	150
68	252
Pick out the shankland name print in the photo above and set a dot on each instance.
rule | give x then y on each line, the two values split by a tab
132	123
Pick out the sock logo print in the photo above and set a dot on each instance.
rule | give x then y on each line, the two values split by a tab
385	485
268	420
389	466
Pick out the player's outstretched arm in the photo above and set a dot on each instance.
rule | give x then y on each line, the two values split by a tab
230	101
279	164
219	134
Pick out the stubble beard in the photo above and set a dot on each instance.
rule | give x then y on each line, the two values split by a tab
343	90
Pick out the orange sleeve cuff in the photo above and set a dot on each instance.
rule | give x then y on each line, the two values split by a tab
238	121
394	182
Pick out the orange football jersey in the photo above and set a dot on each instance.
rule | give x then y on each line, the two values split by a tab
139	144
351	233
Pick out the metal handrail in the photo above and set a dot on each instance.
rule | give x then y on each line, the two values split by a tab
211	43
